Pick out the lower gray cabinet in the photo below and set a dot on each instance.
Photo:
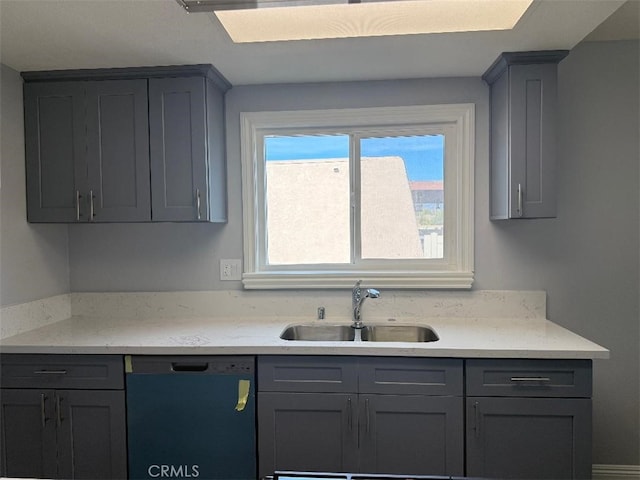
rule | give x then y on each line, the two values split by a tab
28	434
91	434
66	433
358	423
411	434
63	434
528	419
536	438
307	432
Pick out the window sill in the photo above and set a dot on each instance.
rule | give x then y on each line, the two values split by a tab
399	280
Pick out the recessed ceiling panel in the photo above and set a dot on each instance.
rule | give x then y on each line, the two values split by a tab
371	19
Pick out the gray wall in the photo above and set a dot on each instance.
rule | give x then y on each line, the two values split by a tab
185	257
587	259
34	261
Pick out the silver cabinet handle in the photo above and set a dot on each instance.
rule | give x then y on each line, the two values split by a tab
349	414
530	379
198	202
520	212
476	416
78	197
49	372
91	212
59	418
366	412
43	411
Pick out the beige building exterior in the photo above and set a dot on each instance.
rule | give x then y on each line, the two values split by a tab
308	217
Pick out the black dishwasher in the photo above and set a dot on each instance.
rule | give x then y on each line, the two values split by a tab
191	417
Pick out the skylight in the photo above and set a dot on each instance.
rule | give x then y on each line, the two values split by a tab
370	19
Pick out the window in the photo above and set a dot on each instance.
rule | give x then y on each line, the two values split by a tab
379	194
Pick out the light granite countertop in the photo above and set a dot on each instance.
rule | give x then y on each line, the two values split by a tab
459	337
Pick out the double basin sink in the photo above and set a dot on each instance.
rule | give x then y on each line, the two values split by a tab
368	333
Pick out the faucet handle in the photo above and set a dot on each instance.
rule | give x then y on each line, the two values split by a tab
373	293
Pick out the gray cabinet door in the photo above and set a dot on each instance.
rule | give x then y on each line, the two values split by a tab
411	434
28	434
541	438
532	99
178	148
91	434
308	432
54	151
117	151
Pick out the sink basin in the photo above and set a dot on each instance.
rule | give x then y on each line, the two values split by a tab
399	333
313	332
319	333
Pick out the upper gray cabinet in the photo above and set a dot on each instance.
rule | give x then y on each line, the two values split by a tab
54	150
125	145
187	149
523	134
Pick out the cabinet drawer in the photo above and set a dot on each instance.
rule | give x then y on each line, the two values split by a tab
307	374
411	376
62	371
529	378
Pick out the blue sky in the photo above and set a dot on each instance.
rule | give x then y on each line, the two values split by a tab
422	155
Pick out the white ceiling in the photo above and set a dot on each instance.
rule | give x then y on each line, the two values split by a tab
67	34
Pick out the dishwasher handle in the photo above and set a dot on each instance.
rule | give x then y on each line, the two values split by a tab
189	367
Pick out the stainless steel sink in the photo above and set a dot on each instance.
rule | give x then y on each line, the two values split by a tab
319	333
314	332
398	333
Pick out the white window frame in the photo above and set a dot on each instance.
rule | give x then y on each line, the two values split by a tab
455	271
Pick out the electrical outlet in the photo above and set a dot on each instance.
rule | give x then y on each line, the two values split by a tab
230	269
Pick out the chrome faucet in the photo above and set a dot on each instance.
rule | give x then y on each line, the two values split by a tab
358	296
